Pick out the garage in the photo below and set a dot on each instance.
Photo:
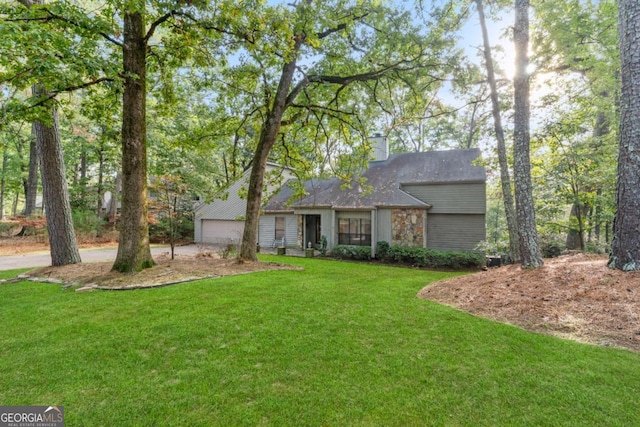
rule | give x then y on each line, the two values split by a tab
221	231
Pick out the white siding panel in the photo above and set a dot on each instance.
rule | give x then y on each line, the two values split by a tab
291	230
233	206
383	224
267	230
454	232
230	208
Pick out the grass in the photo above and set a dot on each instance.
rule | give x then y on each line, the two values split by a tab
337	344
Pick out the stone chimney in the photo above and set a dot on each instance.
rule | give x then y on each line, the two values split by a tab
380	147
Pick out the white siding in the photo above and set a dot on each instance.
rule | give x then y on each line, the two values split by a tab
234	207
231	208
454	232
267	230
383	225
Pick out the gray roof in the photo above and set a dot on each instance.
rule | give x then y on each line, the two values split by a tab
384	180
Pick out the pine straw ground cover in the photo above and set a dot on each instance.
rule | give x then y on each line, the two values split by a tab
573	296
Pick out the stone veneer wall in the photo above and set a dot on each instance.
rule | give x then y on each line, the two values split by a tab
407	227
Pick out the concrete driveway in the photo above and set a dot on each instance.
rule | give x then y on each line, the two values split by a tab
43	259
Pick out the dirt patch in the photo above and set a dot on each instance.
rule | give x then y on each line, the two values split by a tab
574	297
166	271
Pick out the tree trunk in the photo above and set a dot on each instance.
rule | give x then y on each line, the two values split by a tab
3	183
134	253
529	249
579	209
32	180
113	203
597	216
268	135
100	191
30	177
14	208
575	235
62	236
505	179
30	173
625	247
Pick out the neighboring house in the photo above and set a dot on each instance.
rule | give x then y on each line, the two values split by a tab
222	221
433	199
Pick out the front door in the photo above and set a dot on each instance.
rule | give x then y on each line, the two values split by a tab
312	230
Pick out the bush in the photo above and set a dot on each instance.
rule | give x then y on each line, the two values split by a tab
160	230
6	228
596	247
413	256
551	249
323	245
422	257
352	252
86	223
382	249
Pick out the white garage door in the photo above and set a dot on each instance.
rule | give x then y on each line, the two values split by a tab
221	231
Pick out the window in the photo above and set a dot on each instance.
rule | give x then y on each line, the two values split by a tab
279	228
354	231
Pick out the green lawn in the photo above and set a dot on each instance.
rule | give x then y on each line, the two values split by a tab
339	344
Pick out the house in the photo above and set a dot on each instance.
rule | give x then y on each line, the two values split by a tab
222	221
433	199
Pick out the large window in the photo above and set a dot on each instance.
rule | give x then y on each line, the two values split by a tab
354	231
279	228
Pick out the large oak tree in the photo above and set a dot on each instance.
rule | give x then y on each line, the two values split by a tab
310	72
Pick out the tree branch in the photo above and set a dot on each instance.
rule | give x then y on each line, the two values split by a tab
78	25
155	24
53	94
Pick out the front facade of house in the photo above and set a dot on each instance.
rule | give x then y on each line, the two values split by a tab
434	199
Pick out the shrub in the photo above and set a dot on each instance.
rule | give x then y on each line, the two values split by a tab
352	252
596	247
86	223
382	249
498	247
160	229
551	249
422	257
323	245
5	228
415	256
